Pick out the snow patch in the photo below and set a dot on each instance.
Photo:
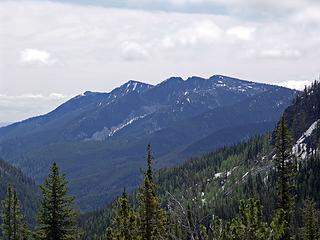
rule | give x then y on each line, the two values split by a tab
121	126
134	86
300	148
109	132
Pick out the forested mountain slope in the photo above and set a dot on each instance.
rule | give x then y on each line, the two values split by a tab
98	139
26	189
214	184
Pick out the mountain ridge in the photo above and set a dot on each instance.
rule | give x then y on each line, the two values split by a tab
96	136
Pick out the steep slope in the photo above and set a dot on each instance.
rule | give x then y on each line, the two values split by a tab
99	138
26	189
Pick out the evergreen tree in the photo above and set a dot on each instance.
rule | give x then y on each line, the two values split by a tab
219	229
13	226
285	167
56	215
152	217
249	226
278	225
125	225
311	224
203	233
109	234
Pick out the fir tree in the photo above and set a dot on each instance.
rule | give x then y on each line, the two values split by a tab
285	167
152	217
13	226
109	234
56	215
249	226
125	225
311	224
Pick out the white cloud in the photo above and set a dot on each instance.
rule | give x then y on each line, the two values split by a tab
57	96
240	32
199	32
36	56
280	53
298	85
100	48
134	51
18	107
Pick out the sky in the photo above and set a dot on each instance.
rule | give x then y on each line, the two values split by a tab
51	51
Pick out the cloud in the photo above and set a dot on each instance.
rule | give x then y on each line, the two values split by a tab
240	32
133	51
280	54
198	33
101	48
27	96
36	56
57	96
298	85
18	107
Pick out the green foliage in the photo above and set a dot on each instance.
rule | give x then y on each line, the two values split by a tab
25	188
13	225
285	165
305	110
56	215
249	225
125	224
311	229
109	234
152	218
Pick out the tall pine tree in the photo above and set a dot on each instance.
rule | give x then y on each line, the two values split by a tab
13	226
285	165
125	224
152	218
56	215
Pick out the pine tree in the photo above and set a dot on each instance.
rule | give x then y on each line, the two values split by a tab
125	224
285	167
56	215
109	234
13	226
249	226
278	225
152	217
311	224
203	233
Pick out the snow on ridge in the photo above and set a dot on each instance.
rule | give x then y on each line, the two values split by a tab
311	128
134	86
114	130
109	132
308	132
300	148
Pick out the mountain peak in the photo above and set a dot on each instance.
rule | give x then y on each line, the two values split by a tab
131	86
172	80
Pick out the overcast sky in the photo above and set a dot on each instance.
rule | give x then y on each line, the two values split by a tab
53	50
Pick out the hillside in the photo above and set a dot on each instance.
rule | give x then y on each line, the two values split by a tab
99	138
215	183
26	189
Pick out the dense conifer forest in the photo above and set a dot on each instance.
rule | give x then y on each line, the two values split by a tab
263	188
